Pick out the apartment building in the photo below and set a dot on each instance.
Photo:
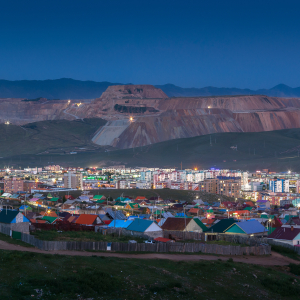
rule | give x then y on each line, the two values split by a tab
73	180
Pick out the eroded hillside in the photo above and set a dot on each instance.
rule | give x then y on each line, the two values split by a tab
140	115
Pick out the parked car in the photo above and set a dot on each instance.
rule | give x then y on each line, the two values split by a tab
150	242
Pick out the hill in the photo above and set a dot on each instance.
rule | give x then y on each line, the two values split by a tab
49	277
34	138
67	88
276	150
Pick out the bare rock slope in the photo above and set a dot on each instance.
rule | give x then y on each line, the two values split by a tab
139	115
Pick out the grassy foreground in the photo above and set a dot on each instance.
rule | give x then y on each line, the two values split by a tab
84	236
27	275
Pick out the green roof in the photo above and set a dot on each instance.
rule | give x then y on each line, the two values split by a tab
98	197
54	199
49	219
221	226
100	201
210	211
248	208
264	216
204	228
49	195
7	216
120	204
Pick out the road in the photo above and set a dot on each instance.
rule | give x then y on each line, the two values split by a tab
275	259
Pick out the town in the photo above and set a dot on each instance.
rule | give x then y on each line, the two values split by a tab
263	204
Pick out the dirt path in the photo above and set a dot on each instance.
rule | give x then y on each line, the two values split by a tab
275	259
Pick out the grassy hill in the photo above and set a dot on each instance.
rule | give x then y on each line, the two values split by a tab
23	146
43	136
28	275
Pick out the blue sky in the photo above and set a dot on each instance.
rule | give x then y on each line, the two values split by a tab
246	44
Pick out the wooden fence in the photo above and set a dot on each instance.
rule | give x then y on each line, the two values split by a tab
183	235
141	247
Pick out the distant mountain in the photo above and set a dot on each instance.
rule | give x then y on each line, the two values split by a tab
280	90
67	88
64	88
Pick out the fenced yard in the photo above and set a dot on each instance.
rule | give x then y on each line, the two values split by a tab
171	247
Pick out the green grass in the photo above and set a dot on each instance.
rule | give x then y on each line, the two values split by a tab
286	252
85	236
96	277
58	135
274	150
163	193
8	239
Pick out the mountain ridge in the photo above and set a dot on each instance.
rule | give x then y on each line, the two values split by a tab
68	88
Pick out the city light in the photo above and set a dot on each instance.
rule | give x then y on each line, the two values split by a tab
131	119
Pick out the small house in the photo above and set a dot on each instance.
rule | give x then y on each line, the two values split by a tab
286	235
144	226
249	228
15	220
181	224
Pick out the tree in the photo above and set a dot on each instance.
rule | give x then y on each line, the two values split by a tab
64	199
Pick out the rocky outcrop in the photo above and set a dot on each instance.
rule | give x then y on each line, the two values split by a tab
139	115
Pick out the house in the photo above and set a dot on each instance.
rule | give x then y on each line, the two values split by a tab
114	214
195	211
53	200
15	220
49	219
286	235
131	206
120	223
221	226
198	221
140	198
250	228
99	197
25	208
249	203
208	222
263	204
145	226
181	224
87	219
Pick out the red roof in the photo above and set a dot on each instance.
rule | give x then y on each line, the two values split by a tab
141	198
161	239
284	233
86	219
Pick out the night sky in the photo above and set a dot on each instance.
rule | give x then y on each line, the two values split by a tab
226	43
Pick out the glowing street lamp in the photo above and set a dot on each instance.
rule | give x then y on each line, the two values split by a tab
131	119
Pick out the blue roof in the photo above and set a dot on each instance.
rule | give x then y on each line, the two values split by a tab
120	223
251	226
140	225
180	215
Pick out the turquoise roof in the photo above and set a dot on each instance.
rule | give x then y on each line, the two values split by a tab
139	225
120	223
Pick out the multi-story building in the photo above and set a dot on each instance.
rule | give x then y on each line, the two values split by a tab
229	186
13	185
209	186
279	185
73	180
